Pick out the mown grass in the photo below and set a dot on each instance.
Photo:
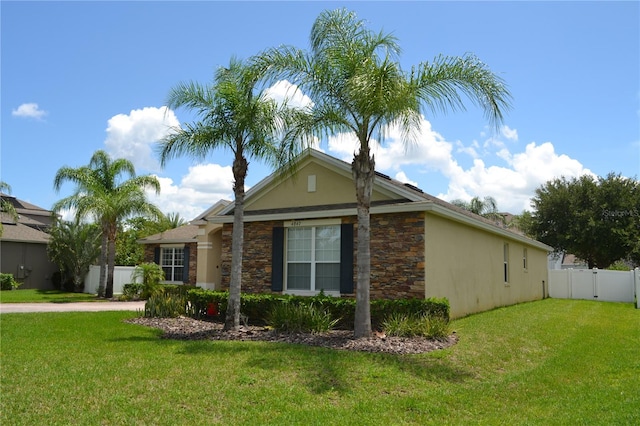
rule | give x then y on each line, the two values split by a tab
41	296
547	362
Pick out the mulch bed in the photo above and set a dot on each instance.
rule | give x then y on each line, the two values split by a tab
184	328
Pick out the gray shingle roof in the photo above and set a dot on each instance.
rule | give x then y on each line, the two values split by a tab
182	234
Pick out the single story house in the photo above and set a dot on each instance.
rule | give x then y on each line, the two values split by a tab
23	244
300	237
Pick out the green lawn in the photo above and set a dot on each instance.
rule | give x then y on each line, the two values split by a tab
548	362
35	296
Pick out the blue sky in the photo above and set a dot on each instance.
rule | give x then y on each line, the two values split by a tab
81	76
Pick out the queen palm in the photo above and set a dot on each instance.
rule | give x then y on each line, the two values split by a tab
486	207
101	193
233	116
357	86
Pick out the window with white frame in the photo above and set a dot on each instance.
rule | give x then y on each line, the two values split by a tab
313	258
525	262
172	263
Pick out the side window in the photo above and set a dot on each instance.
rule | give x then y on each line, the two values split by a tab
506	263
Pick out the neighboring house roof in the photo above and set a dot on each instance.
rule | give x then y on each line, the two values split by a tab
405	198
17	232
572	260
31	224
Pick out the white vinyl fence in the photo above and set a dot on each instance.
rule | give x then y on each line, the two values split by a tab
594	284
122	275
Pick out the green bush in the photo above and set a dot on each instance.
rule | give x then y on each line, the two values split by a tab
404	325
299	318
165	305
259	308
7	282
151	274
132	291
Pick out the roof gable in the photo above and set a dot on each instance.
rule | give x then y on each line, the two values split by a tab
319	181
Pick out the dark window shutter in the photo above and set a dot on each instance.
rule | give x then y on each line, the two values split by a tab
277	259
185	271
346	258
156	255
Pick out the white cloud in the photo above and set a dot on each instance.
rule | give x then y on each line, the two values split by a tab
132	136
29	110
198	190
512	185
508	133
282	90
402	177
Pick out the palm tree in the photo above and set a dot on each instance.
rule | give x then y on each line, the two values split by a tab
172	220
486	207
102	193
6	206
74	246
356	84
235	116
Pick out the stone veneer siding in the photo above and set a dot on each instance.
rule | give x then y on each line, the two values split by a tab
149	254
397	255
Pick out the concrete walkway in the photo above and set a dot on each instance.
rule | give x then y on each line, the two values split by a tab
12	308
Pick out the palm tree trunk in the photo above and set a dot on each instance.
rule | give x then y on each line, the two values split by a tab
232	319
363	169
103	260
111	261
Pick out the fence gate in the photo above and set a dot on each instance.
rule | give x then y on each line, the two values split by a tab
594	284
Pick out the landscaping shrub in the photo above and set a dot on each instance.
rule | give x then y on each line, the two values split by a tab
151	274
165	305
259	308
132	291
300	318
410	325
7	282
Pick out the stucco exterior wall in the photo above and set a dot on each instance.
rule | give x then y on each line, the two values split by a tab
330	188
465	265
209	272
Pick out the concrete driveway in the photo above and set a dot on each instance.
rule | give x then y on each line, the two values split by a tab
12	308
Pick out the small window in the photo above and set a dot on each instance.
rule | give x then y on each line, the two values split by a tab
525	263
506	263
172	262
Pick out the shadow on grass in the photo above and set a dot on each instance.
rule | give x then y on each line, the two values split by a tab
322	370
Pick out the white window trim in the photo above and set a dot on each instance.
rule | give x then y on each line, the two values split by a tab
172	246
305	224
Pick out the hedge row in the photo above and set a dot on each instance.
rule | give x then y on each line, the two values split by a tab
198	303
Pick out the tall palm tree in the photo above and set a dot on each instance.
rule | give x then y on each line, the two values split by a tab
233	115
486	207
102	193
356	84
